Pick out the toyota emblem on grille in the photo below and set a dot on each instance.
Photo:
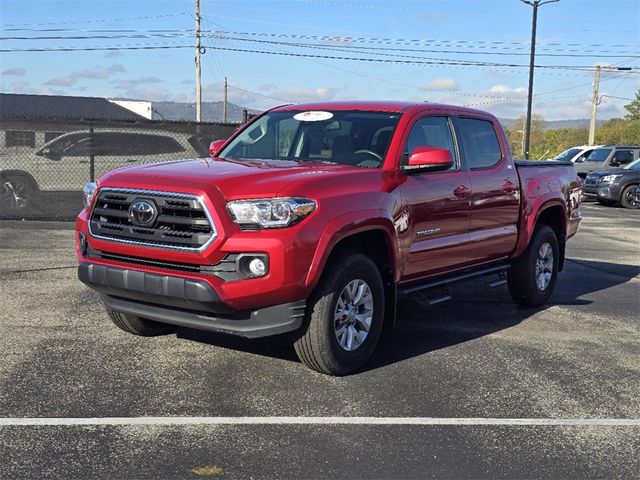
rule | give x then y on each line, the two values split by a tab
143	213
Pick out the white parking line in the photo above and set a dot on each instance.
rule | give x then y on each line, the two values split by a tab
554	422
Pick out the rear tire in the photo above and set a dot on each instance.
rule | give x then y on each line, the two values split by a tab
628	199
532	276
139	326
344	316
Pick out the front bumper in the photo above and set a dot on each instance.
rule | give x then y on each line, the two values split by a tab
600	190
185	302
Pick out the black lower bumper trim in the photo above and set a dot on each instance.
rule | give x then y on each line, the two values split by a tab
185	301
261	323
169	290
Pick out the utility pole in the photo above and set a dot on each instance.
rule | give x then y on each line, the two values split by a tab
594	106
527	129
198	49
224	105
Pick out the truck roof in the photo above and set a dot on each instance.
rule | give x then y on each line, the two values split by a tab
379	106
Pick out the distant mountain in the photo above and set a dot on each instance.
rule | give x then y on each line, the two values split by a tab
553	124
211	111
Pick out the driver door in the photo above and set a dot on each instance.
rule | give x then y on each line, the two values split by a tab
438	205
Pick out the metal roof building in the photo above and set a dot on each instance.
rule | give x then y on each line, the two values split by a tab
59	107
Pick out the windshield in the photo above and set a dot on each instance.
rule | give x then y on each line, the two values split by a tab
568	154
598	155
635	165
344	137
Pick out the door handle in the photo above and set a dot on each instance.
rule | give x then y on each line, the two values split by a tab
508	186
461	191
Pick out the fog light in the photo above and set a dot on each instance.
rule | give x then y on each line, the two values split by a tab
257	267
252	265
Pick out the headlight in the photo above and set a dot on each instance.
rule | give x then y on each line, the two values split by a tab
89	191
270	213
609	178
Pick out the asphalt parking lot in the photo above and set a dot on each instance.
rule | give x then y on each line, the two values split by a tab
478	357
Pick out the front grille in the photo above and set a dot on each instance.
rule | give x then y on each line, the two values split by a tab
181	222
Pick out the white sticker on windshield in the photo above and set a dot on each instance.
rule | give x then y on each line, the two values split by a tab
313	116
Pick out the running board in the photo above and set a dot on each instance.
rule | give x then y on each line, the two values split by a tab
444	282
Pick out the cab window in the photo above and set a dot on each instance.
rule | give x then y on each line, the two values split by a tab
430	132
479	143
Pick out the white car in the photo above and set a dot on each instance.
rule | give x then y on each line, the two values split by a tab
574	154
65	163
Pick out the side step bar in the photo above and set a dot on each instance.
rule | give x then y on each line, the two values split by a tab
443	282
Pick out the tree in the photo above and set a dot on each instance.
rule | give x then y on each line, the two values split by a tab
516	136
633	108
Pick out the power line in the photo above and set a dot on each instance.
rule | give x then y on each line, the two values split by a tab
102	20
345	46
416	61
94	49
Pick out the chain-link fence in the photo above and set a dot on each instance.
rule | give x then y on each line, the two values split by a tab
44	164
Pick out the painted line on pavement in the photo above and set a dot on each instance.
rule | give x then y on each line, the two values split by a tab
92	421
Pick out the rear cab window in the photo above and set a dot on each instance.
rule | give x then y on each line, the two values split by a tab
478	142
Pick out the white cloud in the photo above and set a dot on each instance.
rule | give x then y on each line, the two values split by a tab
73	77
19	87
432	16
135	83
443	84
14	71
303	95
503	90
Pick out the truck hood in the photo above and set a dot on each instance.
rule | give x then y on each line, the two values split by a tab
606	171
233	179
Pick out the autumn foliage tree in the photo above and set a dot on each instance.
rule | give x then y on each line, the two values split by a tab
549	143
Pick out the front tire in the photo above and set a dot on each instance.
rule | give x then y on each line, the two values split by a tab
628	199
139	326
532	276
344	316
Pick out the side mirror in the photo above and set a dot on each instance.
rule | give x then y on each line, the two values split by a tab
615	163
46	152
215	147
580	160
428	159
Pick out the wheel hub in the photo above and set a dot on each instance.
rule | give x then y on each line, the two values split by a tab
544	267
353	315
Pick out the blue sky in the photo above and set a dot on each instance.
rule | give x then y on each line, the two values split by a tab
571	34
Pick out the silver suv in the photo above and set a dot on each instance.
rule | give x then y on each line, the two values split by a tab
607	156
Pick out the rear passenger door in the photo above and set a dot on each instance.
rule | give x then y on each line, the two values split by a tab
495	193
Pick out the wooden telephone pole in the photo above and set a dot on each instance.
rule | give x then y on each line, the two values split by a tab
198	60
224	105
594	107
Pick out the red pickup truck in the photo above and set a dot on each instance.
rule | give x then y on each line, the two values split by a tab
313	219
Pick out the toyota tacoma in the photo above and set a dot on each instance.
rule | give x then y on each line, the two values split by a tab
312	220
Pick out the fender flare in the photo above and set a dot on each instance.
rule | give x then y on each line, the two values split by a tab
345	226
528	222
